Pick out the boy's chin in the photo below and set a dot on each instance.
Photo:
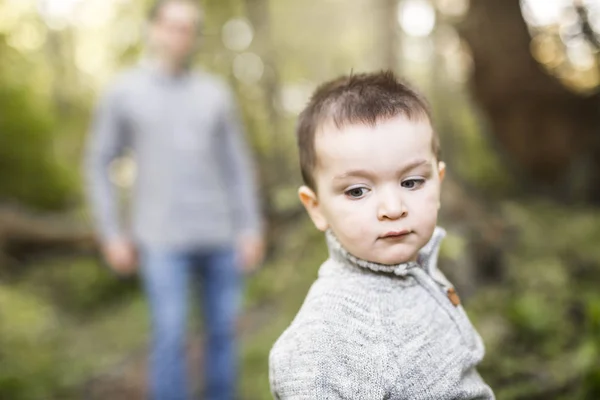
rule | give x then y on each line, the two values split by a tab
394	257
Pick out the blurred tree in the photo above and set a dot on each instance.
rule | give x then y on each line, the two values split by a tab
276	166
549	135
390	43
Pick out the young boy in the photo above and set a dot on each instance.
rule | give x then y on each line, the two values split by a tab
381	321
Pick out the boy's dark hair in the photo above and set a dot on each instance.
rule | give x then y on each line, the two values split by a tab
356	99
158	5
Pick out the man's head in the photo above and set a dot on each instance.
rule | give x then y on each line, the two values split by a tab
173	29
371	167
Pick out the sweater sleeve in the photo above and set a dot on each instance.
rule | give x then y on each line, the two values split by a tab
332	355
107	139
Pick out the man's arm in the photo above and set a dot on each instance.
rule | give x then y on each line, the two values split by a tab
107	140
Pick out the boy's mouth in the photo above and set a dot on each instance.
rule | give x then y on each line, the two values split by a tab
395	234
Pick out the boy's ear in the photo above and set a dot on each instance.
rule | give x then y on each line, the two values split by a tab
311	202
441	175
441	170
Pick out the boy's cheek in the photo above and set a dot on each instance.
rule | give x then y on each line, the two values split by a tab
429	197
353	238
352	216
351	226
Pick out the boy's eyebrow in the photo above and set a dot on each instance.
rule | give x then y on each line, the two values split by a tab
363	173
414	164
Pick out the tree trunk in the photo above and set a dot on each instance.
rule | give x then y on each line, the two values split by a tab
548	134
276	168
24	236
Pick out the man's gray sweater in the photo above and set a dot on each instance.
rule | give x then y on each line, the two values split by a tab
195	179
372	331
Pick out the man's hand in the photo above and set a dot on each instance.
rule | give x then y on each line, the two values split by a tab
121	255
251	248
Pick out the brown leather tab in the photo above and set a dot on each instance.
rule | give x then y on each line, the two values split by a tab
453	296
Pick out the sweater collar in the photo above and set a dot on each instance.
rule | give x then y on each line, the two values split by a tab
427	258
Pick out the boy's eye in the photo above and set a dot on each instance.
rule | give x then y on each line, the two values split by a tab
356	193
413	183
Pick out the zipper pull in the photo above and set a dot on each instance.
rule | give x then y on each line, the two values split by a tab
453	296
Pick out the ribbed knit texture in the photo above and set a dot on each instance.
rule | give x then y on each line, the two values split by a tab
373	331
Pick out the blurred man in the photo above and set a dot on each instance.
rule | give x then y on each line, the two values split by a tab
194	210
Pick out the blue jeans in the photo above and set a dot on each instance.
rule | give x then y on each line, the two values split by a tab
166	275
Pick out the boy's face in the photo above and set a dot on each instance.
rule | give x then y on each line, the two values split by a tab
378	188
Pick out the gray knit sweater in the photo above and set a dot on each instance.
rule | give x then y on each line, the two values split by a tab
195	183
372	331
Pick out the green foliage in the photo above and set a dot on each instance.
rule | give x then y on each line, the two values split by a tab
28	346
47	352
541	326
80	286
29	170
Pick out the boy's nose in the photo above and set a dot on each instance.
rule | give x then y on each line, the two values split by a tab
391	206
